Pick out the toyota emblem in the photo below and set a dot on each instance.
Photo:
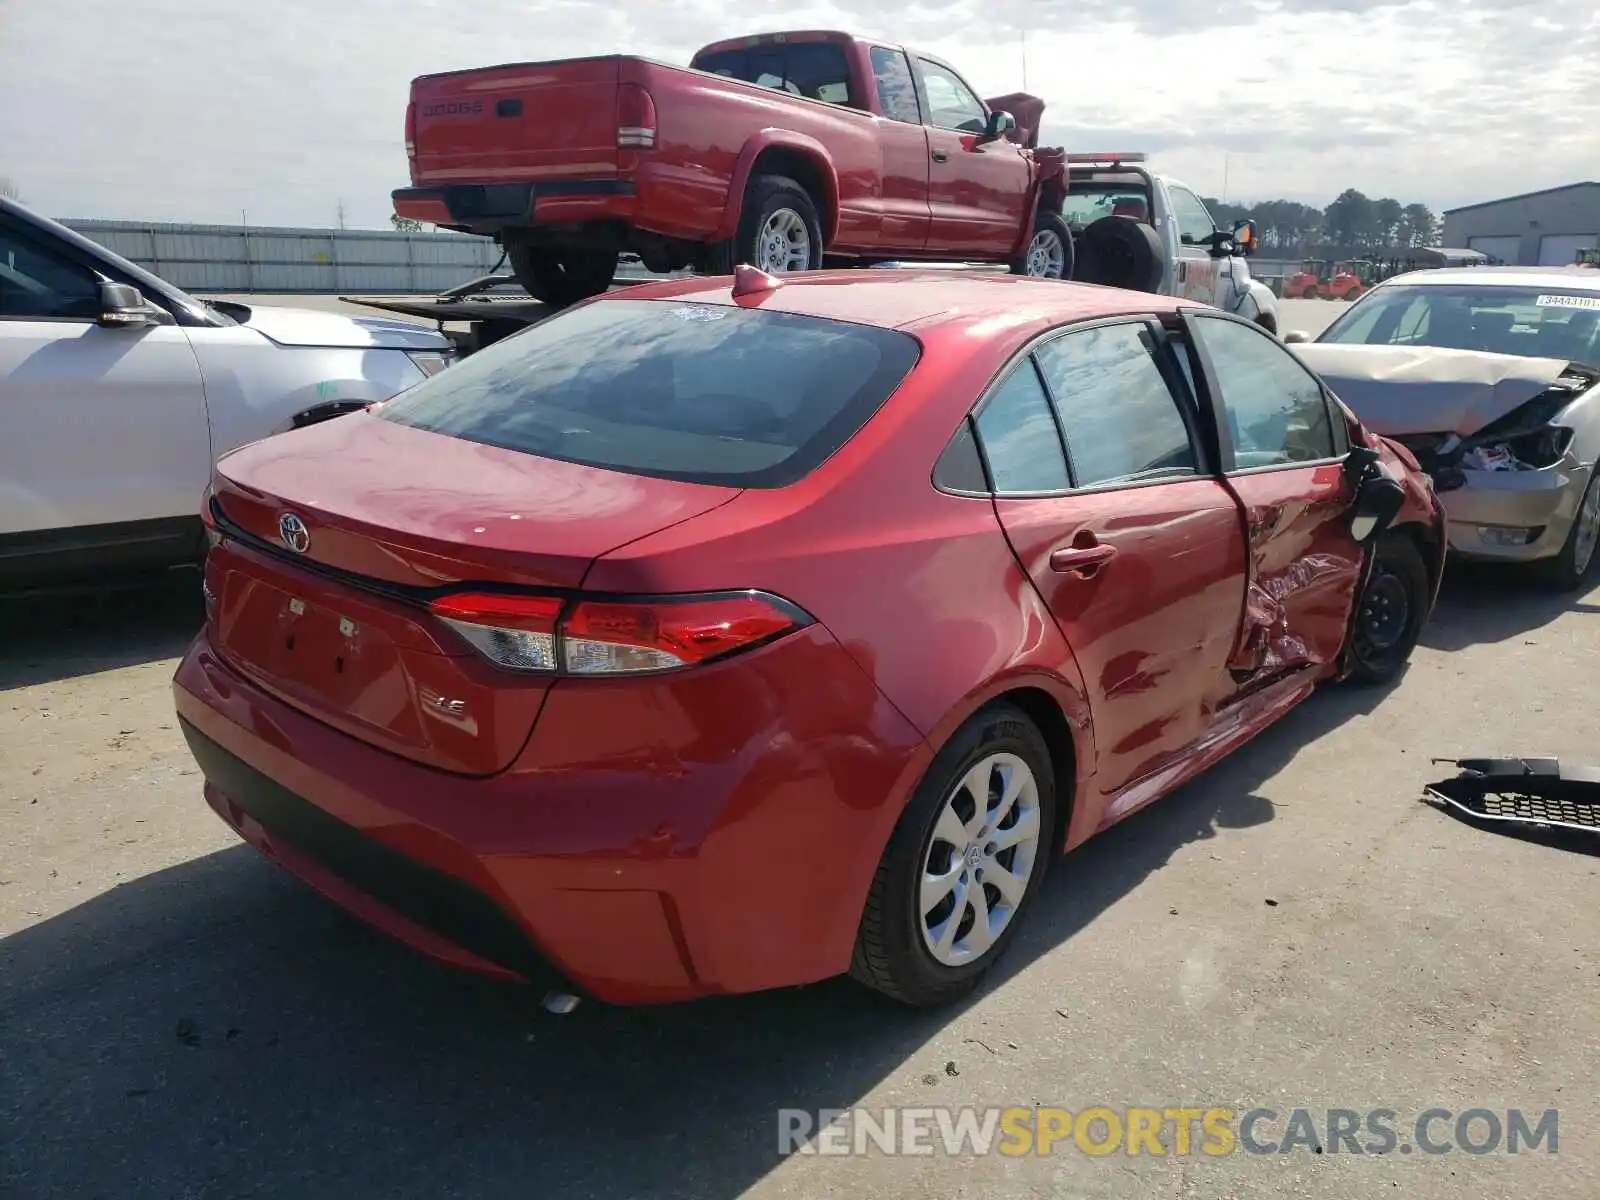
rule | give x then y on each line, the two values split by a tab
292	530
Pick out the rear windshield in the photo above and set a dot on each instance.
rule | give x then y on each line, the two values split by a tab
816	70
1086	203
1548	322
705	393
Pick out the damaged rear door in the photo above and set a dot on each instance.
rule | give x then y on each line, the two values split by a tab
1281	451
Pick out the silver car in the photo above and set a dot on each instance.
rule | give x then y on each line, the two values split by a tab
118	391
1490	376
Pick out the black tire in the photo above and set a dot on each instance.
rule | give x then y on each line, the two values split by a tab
1391	611
1127	254
891	956
559	277
1049	224
763	199
1564	572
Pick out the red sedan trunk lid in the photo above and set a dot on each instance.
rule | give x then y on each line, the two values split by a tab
343	529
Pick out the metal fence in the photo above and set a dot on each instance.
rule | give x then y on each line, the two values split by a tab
238	258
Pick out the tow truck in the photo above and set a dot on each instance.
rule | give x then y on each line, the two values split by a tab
1131	228
482	311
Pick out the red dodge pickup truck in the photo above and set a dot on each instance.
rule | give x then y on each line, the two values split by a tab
783	150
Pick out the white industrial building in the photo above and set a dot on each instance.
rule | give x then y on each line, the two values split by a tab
1545	228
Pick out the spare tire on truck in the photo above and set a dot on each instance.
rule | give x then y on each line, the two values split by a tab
1122	252
779	231
560	275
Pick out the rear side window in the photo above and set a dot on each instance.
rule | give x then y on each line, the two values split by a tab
815	70
704	393
1019	436
1121	419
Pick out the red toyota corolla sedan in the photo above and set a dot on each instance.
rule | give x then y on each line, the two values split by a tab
710	637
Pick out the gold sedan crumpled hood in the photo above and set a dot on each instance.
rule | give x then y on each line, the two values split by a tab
1428	389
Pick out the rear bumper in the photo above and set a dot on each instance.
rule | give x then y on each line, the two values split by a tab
490	207
634	850
1491	503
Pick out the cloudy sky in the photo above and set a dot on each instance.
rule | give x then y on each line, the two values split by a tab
198	109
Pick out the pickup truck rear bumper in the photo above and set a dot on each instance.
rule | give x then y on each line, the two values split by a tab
490	207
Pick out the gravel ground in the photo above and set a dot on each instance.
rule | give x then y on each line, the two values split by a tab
179	1019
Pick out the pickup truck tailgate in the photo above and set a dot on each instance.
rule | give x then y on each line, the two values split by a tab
523	122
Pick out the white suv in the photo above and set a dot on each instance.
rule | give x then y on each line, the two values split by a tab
118	391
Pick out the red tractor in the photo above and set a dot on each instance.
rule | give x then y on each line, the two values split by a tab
1308	283
1348	281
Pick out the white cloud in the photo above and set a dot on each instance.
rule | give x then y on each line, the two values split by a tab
169	109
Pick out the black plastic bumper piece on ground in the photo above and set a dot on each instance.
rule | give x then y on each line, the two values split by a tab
449	907
1527	791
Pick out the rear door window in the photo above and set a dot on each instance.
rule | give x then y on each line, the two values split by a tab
1122	422
704	393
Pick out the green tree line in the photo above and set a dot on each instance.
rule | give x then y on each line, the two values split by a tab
1353	224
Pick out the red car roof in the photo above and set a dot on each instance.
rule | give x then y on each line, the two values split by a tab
895	298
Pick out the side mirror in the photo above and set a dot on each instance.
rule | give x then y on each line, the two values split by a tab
1244	237
998	125
1378	498
123	306
1296	335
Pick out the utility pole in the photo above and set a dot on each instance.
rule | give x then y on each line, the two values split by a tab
1024	60
1224	176
341	214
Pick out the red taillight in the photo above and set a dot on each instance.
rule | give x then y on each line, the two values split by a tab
636	118
515	632
615	637
411	129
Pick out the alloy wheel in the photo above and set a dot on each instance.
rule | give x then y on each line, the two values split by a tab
979	859
784	243
1047	257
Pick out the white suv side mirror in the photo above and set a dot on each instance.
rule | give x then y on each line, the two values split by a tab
123	306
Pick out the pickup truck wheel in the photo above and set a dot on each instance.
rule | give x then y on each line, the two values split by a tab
561	277
1050	253
778	231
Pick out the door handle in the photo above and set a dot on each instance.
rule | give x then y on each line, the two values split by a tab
1082	560
941	156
